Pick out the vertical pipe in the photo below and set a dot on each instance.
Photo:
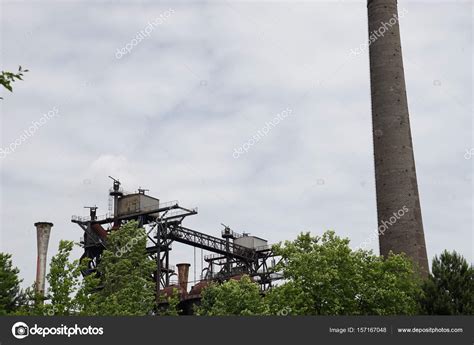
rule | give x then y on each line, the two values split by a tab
116	220
167	265
398	203
158	260
183	275
43	231
227	249
202	265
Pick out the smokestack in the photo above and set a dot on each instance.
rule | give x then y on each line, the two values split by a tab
43	230
398	201
183	272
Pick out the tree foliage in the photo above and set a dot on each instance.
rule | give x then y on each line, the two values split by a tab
9	285
63	279
124	277
450	287
325	277
7	78
170	304
288	299
31	303
234	297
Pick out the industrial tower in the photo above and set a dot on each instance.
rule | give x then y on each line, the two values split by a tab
232	256
395	173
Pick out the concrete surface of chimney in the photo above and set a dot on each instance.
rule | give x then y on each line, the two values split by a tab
43	231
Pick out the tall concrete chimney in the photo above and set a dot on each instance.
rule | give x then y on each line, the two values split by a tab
43	230
395	173
183	273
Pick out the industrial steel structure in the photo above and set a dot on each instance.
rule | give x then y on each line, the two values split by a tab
232	255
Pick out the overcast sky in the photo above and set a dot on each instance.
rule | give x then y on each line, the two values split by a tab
169	113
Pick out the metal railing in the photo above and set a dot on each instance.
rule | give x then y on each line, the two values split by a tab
209	257
231	232
169	203
88	218
213	257
110	215
177	212
264	248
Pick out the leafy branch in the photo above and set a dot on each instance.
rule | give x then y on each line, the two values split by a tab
7	78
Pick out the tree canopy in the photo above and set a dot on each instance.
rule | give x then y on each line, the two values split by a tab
449	289
9	285
326	277
233	297
63	279
123	284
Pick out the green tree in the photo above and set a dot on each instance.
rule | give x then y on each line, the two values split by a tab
9	285
124	275
449	289
63	279
31	303
288	299
170	305
233	297
7	78
325	277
